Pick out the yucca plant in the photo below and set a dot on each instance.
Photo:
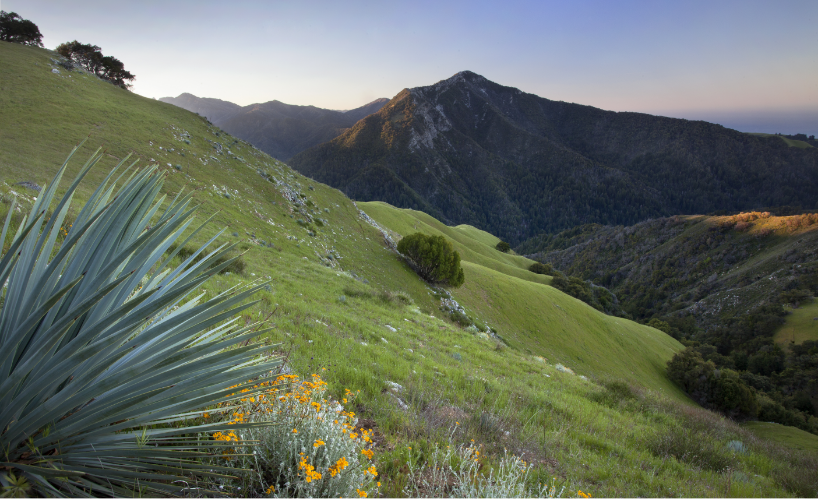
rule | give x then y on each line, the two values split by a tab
106	357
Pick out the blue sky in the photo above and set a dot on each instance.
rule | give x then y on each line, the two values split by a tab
751	62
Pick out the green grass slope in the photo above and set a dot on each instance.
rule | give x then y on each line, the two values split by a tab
790	142
798	440
537	318
800	325
541	320
474	245
346	307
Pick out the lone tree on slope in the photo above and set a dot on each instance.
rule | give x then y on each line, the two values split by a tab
15	29
433	258
90	58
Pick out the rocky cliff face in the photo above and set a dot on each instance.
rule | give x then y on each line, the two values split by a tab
471	151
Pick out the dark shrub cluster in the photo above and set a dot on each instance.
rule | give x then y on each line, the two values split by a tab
503	246
596	296
541	268
433	258
751	393
398	298
718	389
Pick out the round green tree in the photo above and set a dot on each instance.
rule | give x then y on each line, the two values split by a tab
433	258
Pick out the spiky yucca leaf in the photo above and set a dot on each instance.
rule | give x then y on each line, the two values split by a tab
104	354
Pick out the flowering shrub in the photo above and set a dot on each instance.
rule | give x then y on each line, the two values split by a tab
312	449
455	472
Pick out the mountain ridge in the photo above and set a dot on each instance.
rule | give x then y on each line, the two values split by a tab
473	151
279	129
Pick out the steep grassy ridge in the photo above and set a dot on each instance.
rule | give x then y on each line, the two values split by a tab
537	318
474	245
345	306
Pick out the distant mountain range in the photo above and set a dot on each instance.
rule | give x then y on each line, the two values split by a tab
281	130
467	150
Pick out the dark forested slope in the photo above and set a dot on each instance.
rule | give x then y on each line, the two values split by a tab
722	285
472	151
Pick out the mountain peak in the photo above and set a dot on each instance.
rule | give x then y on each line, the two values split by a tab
472	151
459	79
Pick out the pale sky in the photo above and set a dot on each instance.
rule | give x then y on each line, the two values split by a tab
745	61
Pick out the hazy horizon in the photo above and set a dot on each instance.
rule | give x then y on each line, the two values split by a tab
743	64
784	121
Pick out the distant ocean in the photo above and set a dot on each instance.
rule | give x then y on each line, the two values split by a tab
789	122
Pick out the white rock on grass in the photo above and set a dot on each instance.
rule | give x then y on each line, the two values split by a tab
394	387
564	369
391	328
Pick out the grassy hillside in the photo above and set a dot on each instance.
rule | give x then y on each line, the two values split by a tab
733	288
536	318
800	325
474	245
790	142
794	438
345	306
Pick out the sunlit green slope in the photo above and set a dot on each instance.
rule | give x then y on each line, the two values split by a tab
474	245
343	305
536	318
800	325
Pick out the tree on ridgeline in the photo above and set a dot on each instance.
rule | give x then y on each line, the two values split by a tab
90	58
15	29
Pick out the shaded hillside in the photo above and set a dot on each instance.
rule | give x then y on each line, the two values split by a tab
281	130
723	286
712	268
472	151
